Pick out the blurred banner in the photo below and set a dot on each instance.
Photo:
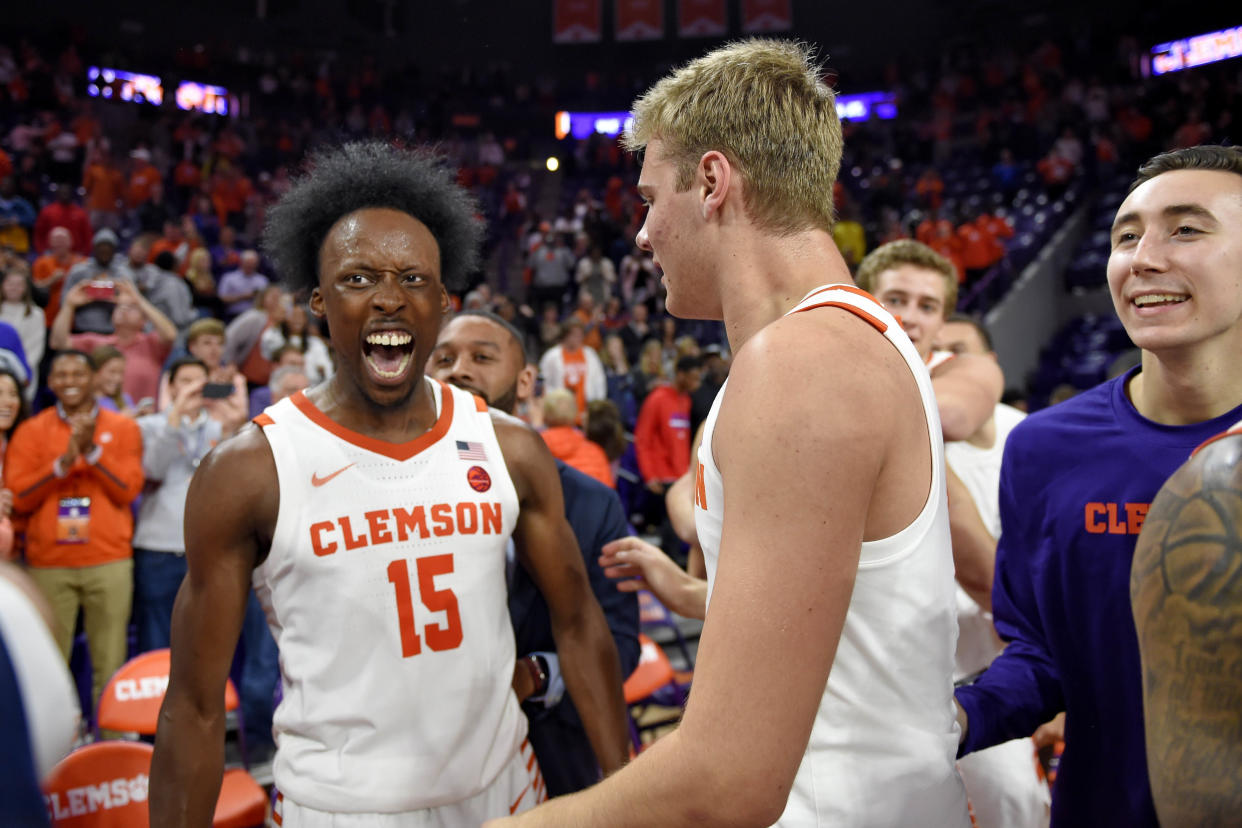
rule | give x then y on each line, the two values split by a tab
702	18
640	19
760	16
576	21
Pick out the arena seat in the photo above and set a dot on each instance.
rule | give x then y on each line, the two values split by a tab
131	702
105	785
653	674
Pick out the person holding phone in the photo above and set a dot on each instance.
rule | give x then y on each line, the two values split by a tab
144	351
102	271
225	396
174	441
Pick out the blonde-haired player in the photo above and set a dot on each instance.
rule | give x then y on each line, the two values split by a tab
822	689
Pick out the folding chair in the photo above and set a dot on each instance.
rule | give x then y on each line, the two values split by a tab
101	785
131	702
653	682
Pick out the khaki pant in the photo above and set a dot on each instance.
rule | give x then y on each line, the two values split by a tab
104	594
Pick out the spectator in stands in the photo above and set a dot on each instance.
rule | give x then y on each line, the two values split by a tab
103	186
173	443
551	264
17	218
1077	478
596	275
162	288
650	370
243	337
109	366
638	280
100	274
13	410
202	283
282	383
50	269
930	189
19	310
662	435
13	352
636	331
230	190
238	288
225	254
143	177
144	352
74	470
567	442
154	214
716	360
620	379
587	312
978	248
849	236
298	331
63	212
575	367
175	241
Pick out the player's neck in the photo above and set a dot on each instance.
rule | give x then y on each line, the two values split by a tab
767	277
1188	386
396	423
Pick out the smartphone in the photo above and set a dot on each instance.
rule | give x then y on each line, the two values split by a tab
217	390
101	290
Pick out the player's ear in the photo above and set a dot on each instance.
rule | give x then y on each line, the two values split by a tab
715	176
526	382
445	304
316	303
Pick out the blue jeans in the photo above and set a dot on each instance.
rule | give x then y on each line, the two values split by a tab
260	673
157	577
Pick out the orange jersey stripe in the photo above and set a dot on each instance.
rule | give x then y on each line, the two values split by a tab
263	420
859	312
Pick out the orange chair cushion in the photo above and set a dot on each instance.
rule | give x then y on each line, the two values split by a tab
131	700
654	670
101	785
242	803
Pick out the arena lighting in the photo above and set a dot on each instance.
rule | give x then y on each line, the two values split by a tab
554	163
1199	50
201	97
585	124
116	84
867	105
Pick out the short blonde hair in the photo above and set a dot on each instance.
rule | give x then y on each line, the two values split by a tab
560	408
761	103
907	252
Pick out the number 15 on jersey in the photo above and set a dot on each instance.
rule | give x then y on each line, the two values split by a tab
439	637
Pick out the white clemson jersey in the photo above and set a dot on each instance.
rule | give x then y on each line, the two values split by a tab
881	751
385	591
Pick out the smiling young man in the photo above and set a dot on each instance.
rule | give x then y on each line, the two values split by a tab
1078	479
823	684
372	513
483	354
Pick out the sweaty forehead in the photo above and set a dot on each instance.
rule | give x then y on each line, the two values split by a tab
380	238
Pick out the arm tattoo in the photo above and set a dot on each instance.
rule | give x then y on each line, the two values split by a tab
1186	593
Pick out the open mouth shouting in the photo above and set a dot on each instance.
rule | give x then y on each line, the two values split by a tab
388	355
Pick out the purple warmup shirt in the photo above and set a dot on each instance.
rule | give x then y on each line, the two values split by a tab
1076	482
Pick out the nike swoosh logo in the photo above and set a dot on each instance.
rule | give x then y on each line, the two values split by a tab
318	481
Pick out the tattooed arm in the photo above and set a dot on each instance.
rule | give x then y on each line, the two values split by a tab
1186	593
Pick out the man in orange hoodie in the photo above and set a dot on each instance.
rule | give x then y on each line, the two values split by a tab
74	469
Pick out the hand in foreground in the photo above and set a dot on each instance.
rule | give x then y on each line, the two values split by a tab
636	564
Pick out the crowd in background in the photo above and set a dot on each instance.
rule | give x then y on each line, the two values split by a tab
131	235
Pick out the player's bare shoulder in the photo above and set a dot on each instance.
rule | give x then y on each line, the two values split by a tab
236	484
526	454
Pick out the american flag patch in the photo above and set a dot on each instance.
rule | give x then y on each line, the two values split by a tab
470	451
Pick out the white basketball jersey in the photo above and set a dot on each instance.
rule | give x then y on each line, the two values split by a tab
979	470
385	591
882	746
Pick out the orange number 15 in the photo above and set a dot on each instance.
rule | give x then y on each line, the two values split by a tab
439	637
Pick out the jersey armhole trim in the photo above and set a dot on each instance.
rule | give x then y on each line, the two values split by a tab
262	420
859	312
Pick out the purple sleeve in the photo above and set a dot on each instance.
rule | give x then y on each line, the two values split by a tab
1022	688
